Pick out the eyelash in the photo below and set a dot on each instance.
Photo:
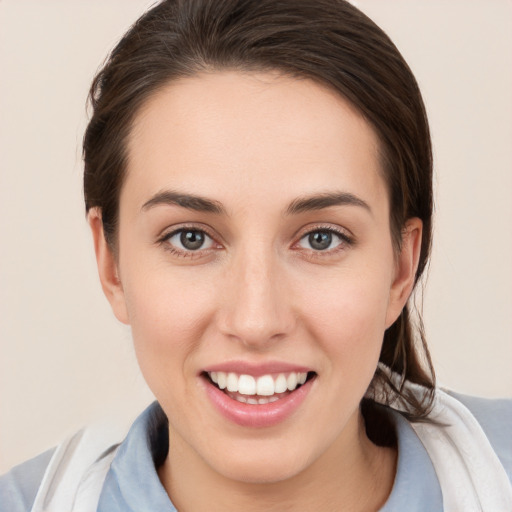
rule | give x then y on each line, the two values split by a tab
346	241
164	241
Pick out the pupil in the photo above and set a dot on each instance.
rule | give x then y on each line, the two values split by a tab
320	240
192	240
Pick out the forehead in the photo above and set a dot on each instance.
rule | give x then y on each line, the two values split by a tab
222	132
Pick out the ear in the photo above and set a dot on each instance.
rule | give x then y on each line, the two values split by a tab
405	270
107	267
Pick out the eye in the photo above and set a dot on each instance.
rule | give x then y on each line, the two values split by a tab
323	240
189	240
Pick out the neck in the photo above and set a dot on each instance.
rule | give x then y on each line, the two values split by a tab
354	474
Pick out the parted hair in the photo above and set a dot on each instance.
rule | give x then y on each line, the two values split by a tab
328	41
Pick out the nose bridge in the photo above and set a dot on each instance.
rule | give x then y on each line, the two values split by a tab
257	311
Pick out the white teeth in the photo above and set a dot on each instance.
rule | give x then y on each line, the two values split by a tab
291	381
247	385
232	382
265	386
252	401
221	380
281	385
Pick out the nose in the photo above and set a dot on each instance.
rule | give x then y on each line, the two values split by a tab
257	308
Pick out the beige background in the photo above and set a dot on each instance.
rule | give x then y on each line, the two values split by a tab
65	361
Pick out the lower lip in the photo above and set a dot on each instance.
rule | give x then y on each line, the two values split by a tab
257	416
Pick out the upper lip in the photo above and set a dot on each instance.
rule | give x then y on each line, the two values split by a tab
256	369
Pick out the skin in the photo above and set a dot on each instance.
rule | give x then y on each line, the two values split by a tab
254	143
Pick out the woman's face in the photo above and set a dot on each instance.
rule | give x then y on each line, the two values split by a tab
254	240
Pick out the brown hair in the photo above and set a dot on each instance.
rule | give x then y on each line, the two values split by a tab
329	41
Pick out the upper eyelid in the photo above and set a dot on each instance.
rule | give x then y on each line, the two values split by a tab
173	233
172	230
307	230
346	240
167	235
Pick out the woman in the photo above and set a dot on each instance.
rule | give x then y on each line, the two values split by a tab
258	185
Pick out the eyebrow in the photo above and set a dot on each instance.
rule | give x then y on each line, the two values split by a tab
189	201
325	200
299	205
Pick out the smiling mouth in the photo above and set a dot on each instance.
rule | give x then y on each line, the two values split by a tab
260	390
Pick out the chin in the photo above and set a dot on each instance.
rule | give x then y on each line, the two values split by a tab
264	467
261	474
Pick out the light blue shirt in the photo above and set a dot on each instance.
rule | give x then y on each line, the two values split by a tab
132	483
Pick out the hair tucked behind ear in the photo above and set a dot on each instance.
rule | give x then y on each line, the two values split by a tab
400	364
329	41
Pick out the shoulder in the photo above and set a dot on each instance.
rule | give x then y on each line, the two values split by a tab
18	487
89	452
495	418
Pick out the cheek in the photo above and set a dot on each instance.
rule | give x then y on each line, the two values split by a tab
348	314
169	313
